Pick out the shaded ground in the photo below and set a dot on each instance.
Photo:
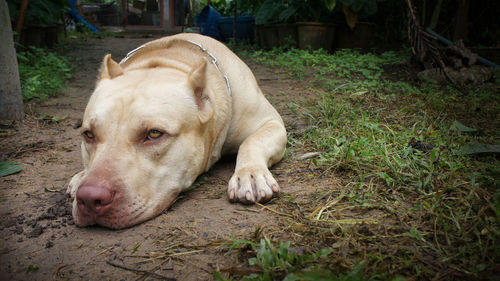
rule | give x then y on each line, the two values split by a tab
39	240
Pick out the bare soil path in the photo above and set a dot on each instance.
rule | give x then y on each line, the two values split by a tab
38	238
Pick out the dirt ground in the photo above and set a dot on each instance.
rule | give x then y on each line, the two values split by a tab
39	240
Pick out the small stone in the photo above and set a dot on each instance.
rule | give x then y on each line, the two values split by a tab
20	219
9	222
37	231
49	216
18	230
77	124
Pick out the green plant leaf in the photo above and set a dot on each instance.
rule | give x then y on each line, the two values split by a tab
136	247
241	243
386	177
330	4
268	12
323	253
9	168
32	267
287	13
478	148
414	233
219	277
457	126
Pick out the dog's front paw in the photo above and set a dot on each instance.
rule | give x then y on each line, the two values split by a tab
74	183
250	185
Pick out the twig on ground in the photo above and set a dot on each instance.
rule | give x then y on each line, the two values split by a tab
349	221
272	210
59	267
321	209
141	271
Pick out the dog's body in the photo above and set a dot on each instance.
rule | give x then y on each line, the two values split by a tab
163	116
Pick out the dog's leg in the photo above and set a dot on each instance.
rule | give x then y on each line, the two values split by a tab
252	182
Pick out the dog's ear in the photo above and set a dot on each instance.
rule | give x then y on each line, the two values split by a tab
110	68
196	80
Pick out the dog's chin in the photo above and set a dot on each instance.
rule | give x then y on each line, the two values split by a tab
108	221
116	218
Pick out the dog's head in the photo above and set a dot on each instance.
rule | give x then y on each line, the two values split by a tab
145	133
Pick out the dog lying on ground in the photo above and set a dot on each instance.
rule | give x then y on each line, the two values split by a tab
161	117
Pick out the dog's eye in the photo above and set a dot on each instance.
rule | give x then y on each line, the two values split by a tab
154	134
88	135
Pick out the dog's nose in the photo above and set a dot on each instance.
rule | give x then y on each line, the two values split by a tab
94	200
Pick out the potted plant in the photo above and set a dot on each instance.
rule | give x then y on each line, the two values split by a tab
295	22
266	18
41	21
355	33
314	31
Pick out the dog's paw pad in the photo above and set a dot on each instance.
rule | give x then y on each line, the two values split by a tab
250	185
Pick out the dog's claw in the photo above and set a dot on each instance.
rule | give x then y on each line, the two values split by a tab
251	185
249	196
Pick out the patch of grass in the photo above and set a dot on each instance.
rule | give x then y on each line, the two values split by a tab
411	202
42	73
343	64
268	262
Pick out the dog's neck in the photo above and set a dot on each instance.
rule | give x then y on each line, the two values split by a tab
156	61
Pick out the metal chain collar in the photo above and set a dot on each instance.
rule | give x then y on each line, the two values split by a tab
213	59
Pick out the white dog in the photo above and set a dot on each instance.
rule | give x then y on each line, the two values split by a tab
163	116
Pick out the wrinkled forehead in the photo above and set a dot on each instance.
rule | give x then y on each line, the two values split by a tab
144	94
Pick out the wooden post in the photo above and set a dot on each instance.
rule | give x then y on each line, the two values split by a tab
124	13
190	21
20	19
461	20
234	20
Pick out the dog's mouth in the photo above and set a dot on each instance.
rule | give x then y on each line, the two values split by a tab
121	219
121	213
114	217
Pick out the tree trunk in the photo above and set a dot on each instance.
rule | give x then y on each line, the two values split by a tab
11	101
